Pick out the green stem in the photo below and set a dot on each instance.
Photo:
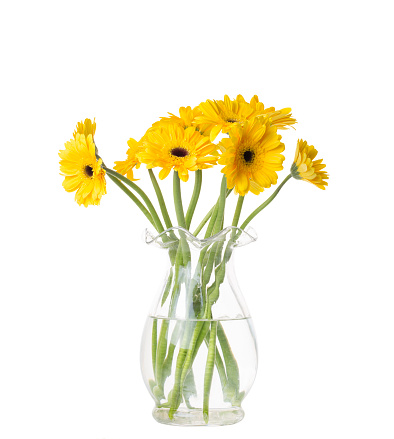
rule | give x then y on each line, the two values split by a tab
180	217
134	198
221	206
208	215
229	359
159	226
265	204
209	370
212	221
238	211
178	201
160	198
194	198
154	346
237	214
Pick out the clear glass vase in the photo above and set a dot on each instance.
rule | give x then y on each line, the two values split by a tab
198	350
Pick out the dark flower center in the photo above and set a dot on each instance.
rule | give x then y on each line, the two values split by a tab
248	156
179	152
89	171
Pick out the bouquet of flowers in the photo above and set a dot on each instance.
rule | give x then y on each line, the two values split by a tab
250	152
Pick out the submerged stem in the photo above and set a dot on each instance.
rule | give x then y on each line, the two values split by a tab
209	370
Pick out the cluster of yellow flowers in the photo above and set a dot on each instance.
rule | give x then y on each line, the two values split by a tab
251	154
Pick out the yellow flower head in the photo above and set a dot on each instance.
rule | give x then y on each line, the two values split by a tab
222	115
82	171
125	167
280	118
173	147
305	168
86	128
252	156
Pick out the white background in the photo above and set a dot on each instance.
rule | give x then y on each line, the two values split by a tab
76	283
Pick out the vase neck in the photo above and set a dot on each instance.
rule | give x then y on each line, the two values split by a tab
200	282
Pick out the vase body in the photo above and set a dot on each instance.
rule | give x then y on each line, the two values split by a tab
198	349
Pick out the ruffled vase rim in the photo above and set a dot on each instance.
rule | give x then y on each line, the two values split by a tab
241	237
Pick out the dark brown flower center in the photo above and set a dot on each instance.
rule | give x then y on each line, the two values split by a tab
248	156
89	171
179	152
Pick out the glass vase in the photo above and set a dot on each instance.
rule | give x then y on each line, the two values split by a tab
198	350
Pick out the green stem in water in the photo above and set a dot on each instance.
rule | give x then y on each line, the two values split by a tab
159	226
208	215
265	204
209	370
194	199
229	359
154	346
134	198
160	198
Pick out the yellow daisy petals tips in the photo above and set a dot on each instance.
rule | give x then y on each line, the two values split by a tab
86	128
82	171
173	147
305	168
125	167
222	115
252	156
282	119
187	118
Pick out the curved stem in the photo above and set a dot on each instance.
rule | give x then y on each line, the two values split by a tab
265	204
159	226
160	198
134	198
194	198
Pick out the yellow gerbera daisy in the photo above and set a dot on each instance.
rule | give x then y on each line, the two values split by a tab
222	115
86	128
82	171
280	118
125	167
252	156
172	147
305	168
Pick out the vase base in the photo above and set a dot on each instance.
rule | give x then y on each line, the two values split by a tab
194	417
